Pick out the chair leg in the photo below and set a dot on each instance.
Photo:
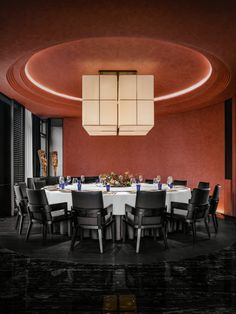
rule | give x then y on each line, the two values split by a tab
45	227
185	227
28	230
74	237
138	240
207	228
100	240
172	225
177	225
215	222
113	230
154	230
49	227
17	221
194	231
124	231
164	237
21	224
69	228
81	234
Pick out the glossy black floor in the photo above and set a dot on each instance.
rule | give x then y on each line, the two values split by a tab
200	279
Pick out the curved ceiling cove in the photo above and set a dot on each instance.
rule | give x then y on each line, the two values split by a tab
58	70
190	49
53	75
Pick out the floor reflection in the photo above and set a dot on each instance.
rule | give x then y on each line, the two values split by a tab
206	284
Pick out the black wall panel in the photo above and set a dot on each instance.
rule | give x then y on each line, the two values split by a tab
19	143
5	159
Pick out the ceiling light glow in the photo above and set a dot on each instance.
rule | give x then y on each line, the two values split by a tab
160	98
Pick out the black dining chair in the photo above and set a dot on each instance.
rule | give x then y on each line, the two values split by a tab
180	182
88	212
93	179
193	212
23	188
42	213
148	213
39	184
52	180
214	201
203	185
149	181
21	203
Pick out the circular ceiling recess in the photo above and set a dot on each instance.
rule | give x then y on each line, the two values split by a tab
59	69
55	73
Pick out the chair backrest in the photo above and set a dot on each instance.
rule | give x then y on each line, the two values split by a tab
87	200
200	204
38	205
149	181
214	200
203	185
91	179
180	182
37	197
21	201
39	184
52	180
23	187
216	192
150	200
18	194
199	196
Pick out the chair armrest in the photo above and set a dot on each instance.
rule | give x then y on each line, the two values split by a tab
99	219
58	206
108	209
140	219
129	208
179	205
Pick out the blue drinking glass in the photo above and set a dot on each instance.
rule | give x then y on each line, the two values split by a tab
159	185
138	187
79	185
108	187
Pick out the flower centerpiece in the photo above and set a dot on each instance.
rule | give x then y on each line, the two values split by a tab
117	179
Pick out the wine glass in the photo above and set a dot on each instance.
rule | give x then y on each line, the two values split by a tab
140	178
170	181
82	178
61	182
75	182
68	179
158	178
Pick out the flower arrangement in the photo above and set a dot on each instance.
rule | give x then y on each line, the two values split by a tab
116	180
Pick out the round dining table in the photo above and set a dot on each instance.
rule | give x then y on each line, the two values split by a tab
117	197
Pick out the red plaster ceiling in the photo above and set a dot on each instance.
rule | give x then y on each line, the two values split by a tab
59	41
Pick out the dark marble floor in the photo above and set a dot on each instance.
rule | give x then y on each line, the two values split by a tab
201	284
87	252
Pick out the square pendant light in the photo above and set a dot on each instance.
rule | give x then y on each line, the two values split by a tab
118	104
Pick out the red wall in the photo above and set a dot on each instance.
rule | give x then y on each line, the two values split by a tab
185	145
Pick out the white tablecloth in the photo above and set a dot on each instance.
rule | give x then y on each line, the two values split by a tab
119	196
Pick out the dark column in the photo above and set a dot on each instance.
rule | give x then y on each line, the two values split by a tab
5	156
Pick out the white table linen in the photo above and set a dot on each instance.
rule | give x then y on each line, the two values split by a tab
119	196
